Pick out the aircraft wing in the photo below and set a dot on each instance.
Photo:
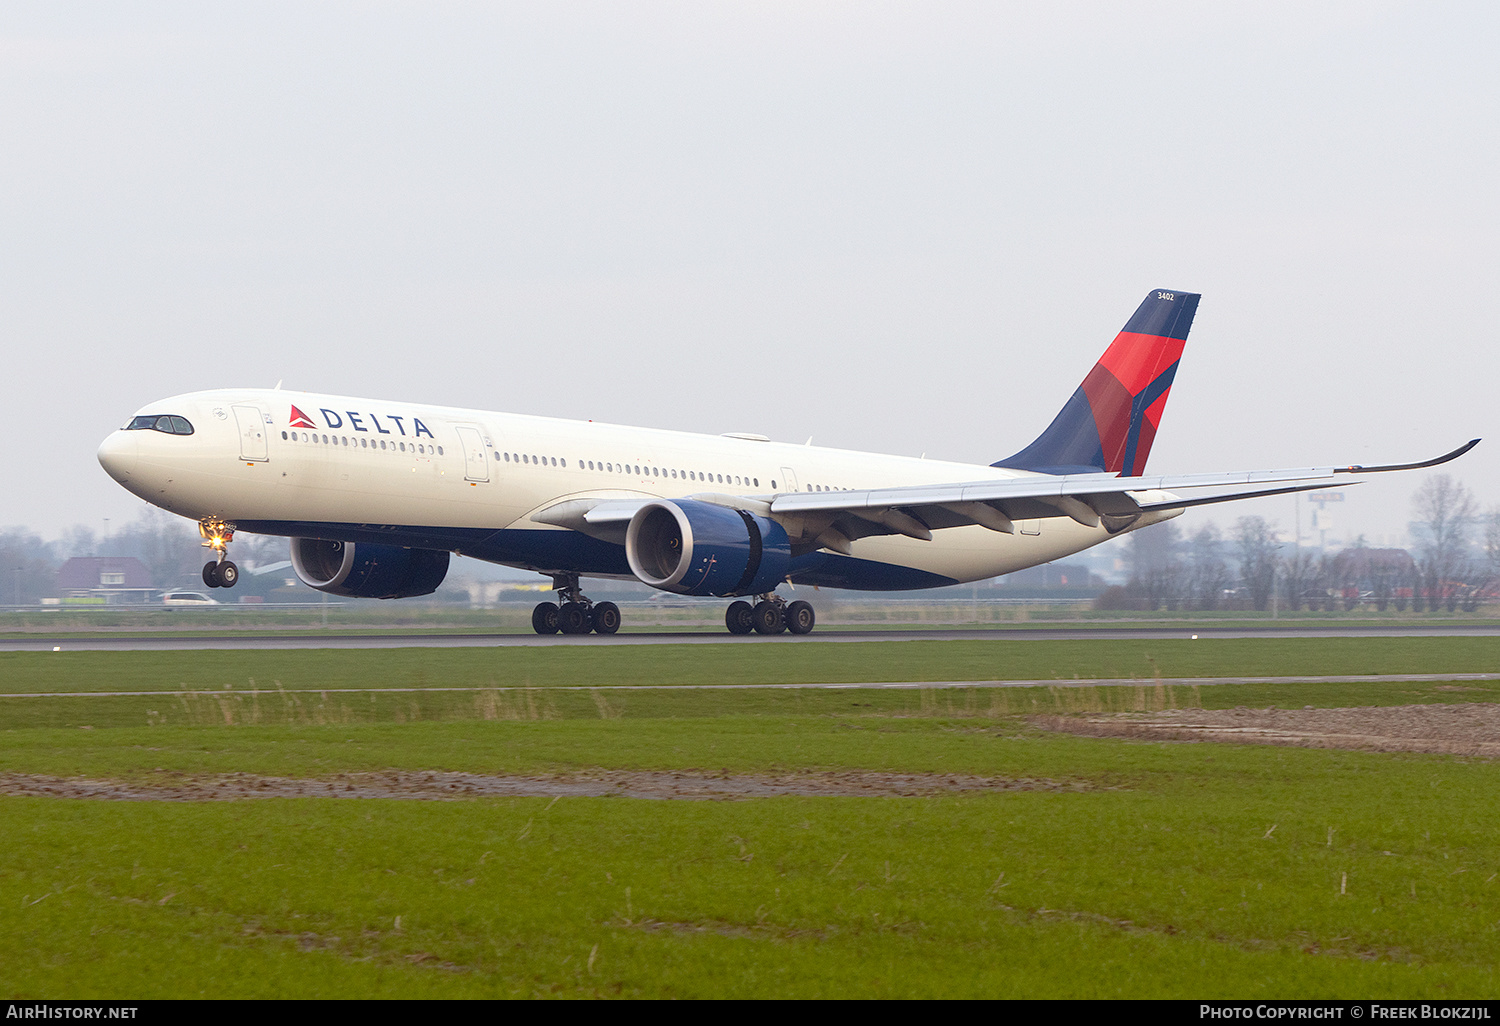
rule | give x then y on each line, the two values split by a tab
833	519
1087	498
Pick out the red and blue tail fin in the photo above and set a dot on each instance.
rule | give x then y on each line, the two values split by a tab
1111	421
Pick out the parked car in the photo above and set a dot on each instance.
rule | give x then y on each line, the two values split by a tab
187	598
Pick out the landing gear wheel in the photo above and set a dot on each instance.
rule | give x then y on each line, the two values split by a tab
606	618
572	618
767	618
739	618
211	575
229	574
800	617
544	618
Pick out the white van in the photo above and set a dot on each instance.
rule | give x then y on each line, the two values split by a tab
187	598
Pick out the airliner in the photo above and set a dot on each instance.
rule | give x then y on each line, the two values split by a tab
375	495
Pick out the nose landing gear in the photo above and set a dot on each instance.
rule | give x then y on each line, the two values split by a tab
576	614
220	572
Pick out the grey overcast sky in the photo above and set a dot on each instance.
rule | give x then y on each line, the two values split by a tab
904	227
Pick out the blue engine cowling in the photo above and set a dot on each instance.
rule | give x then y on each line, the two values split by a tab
368	571
698	548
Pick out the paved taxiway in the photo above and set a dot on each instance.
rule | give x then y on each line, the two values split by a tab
127	642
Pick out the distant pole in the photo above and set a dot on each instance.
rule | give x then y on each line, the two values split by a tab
18	587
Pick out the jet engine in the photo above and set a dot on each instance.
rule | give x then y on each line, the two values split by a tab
698	548
368	571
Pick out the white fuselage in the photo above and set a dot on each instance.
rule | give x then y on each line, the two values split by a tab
323	465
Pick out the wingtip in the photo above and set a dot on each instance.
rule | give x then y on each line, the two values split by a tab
1447	457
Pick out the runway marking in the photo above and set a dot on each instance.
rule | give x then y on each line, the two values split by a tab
1100	682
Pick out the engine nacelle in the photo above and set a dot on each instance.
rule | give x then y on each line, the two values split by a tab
368	571
698	548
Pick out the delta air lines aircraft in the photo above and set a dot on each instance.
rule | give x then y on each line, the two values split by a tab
375	495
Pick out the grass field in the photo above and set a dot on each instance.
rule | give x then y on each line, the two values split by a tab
1121	869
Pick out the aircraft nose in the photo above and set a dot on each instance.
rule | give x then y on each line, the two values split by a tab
117	455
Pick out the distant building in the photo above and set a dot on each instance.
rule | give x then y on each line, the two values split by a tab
104	580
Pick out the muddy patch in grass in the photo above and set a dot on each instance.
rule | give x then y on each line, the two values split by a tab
451	786
1461	729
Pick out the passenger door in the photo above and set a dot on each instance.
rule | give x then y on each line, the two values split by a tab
252	425
476	460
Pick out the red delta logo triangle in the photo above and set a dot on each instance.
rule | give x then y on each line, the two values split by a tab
300	419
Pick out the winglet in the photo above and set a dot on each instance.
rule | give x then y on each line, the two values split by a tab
1436	461
1111	420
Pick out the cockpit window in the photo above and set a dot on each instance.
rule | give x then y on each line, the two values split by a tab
165	423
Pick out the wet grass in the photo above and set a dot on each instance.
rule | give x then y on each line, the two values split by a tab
1175	870
665	665
1186	870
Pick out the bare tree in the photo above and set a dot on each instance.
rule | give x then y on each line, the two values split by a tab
1155	561
1255	541
168	546
1487	572
1323	589
1442	519
1299	572
1207	573
28	567
79	541
1381	572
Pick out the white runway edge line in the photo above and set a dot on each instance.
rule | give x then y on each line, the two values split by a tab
1100	682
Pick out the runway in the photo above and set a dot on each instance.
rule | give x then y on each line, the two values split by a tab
225	641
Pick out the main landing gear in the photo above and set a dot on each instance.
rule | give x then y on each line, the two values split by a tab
770	615
218	573
576	614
